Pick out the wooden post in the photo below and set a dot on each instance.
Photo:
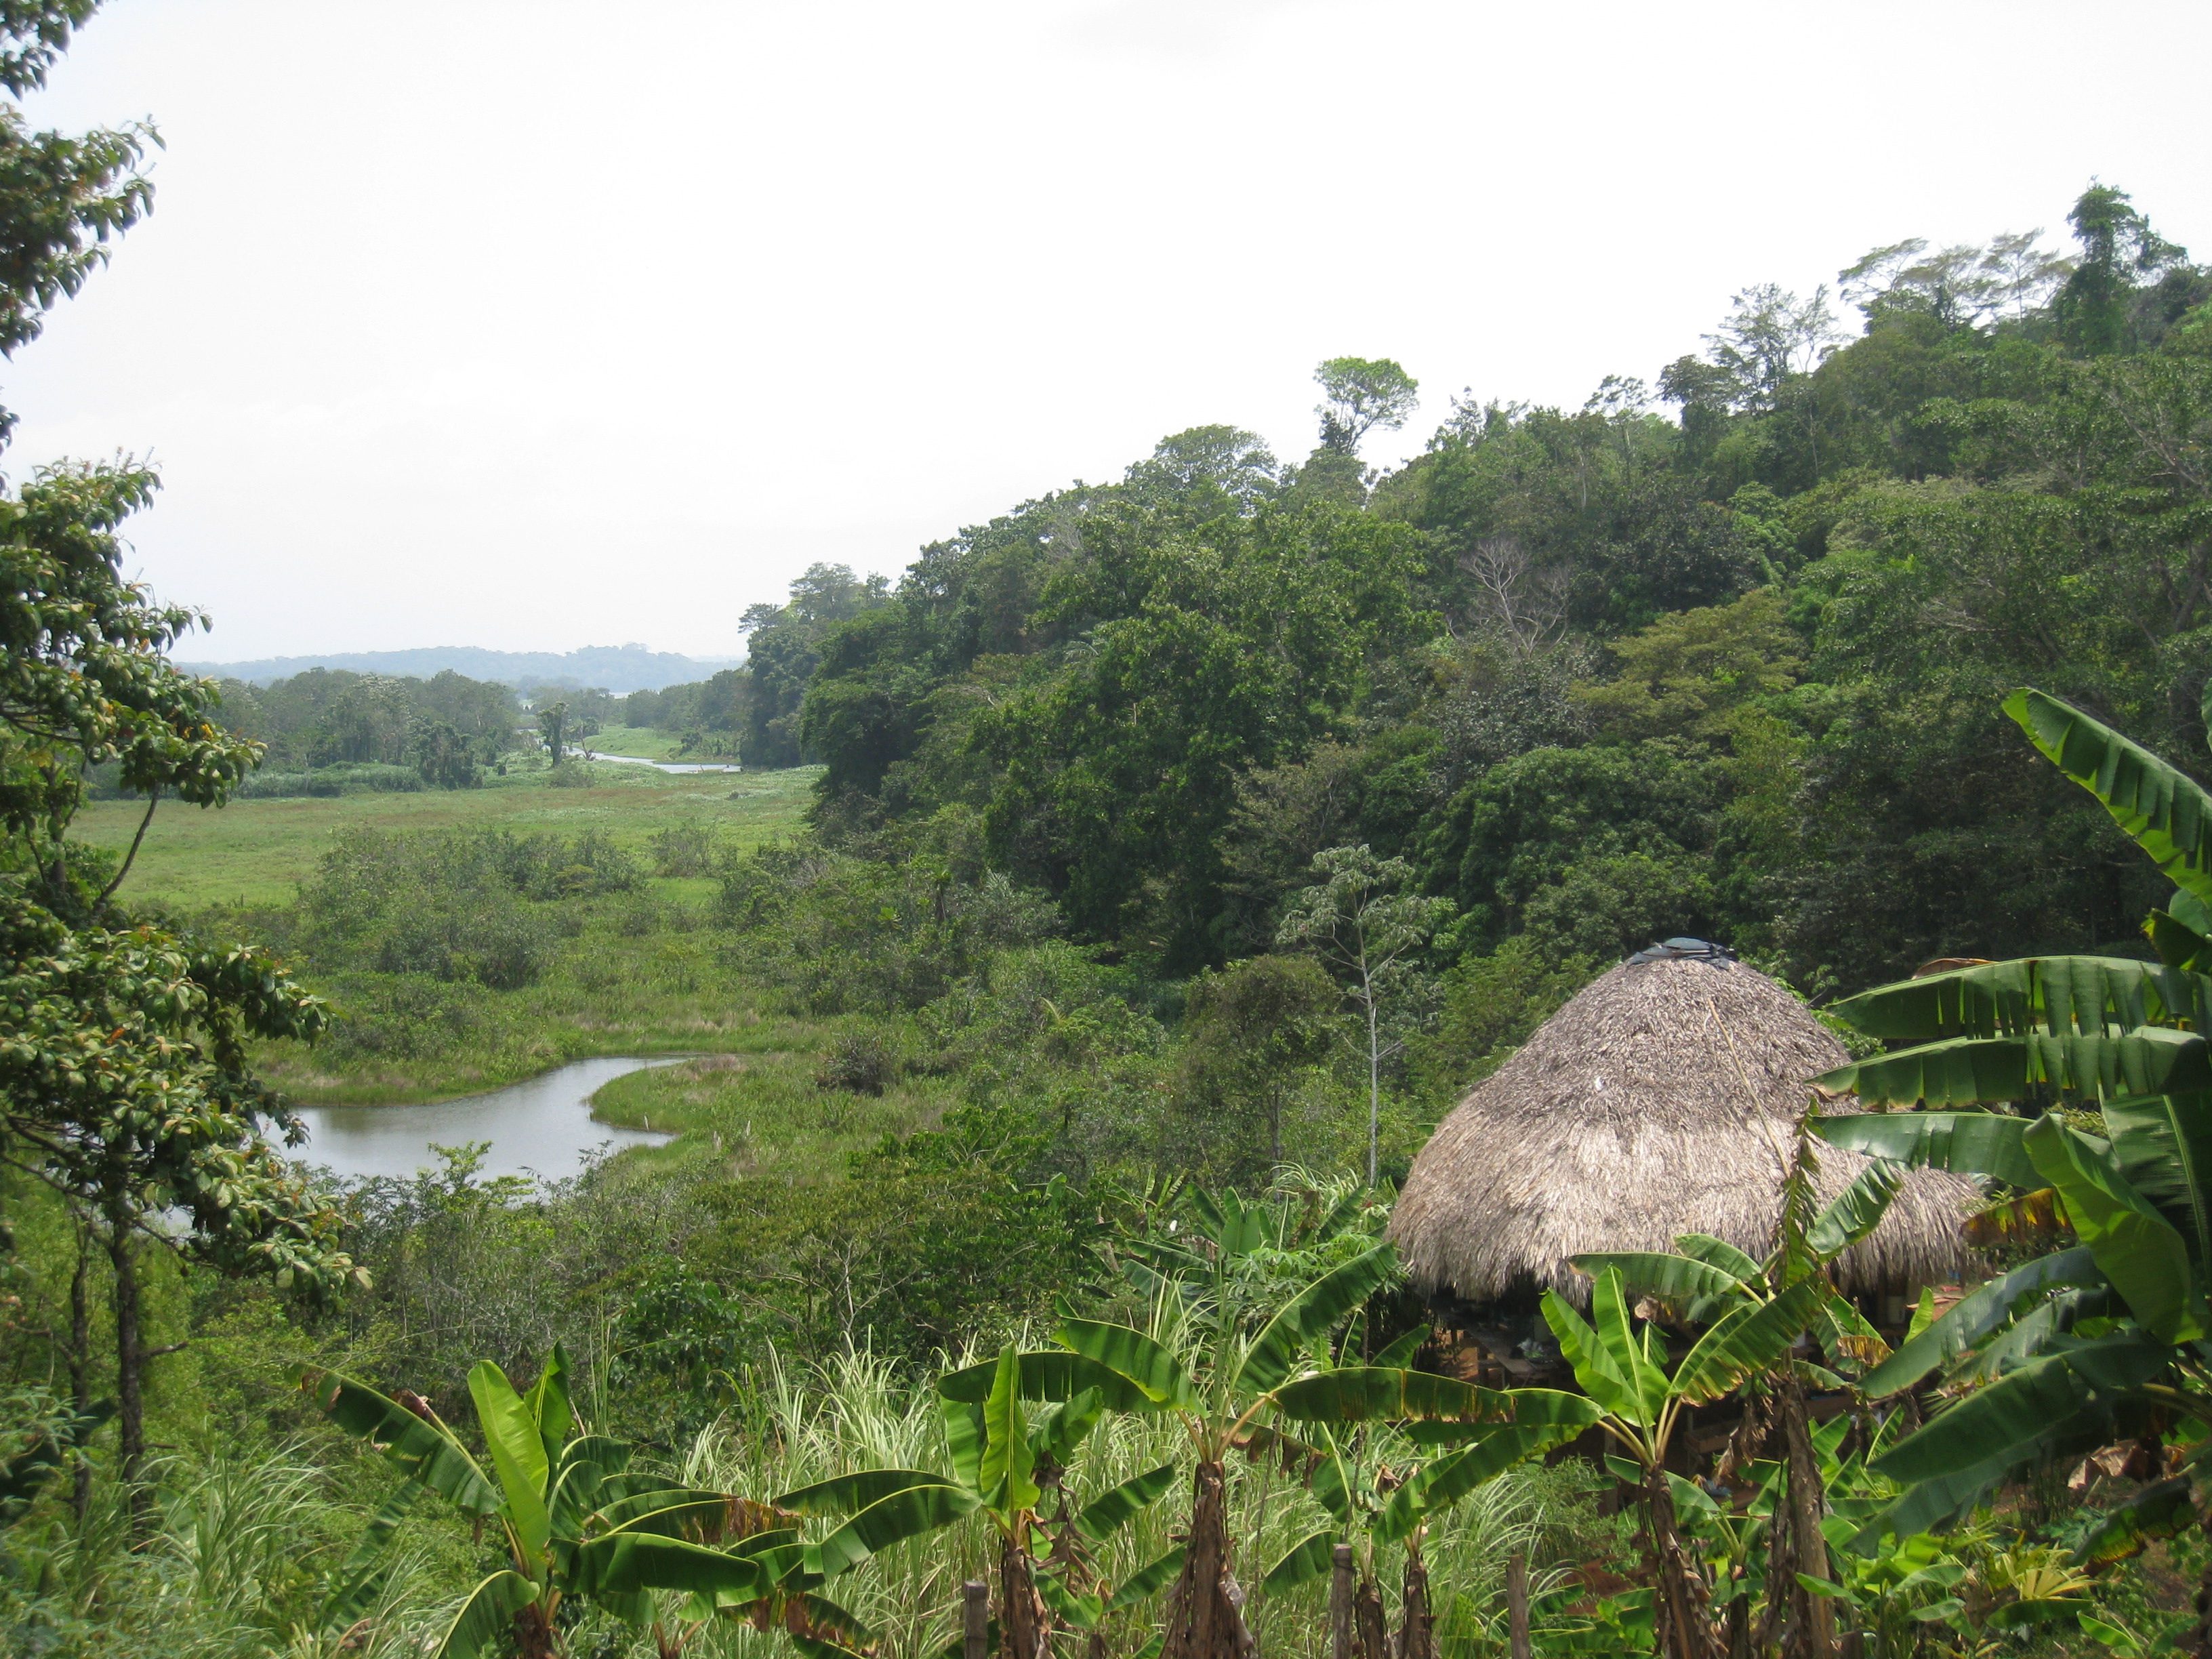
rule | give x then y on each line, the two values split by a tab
1516	1602
1340	1602
976	1630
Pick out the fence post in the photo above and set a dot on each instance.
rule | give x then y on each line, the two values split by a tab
1516	1602
975	1632
1340	1602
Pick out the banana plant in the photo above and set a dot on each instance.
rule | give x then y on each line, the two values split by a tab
1004	1466
2111	1336
572	1519
1441	1440
1624	1371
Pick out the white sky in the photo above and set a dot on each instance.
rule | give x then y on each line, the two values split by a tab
533	325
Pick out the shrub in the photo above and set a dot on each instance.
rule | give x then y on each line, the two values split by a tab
862	1064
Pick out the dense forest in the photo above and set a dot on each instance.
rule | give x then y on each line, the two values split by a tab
1174	851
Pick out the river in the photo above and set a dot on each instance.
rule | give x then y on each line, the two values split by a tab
541	1126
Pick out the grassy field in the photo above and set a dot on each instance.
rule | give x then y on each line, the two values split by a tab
257	852
640	741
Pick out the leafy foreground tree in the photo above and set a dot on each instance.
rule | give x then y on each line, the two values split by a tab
574	1522
2110	1338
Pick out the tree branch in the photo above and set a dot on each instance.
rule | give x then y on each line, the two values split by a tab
108	891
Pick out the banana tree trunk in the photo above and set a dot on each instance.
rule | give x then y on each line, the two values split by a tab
1205	1618
1025	1623
1812	1627
1684	1630
1416	1624
1372	1630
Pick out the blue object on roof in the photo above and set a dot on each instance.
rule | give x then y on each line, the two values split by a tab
1687	950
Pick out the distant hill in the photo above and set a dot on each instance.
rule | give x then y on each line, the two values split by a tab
616	668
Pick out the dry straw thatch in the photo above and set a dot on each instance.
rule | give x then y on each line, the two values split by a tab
1627	1120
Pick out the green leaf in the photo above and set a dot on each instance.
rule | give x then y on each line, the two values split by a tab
847	1494
1443	1482
2052	994
423	1451
2177	943
672	1511
2164	812
1600	1377
1306	1560
1398	1355
909	1513
1997	1422
1113	1510
629	1562
548	1402
1616	1329
1309	1314
1964	1143
2146	1259
1854	1211
518	1454
1680	1279
1076	1609
356	1584
1719	1253
1975	1316
1049	1374
2163	1509
1366	1394
1157	1375
1005	1484
485	1623
1975	1071
1060	1429
1147	1582
1746	1343
963	1439
2163	1146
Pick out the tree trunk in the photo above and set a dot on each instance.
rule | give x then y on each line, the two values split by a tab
1373	1629
1204	1617
1680	1597
1812	1627
80	1367
1025	1623
1416	1624
129	1363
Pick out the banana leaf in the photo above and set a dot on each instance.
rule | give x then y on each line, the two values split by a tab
892	1520
421	1451
1989	1306
629	1562
1049	1374
2167	813
484	1623
1003	1476
1159	1377
1748	1341
1678	1279
1854	1211
1594	1367
1147	1582
1964	1143
1077	1610
518	1454
672	1512
2163	1509
1976	1071
1062	1427
1443	1482
1109	1511
2016	1410
548	1405
1399	1354
2177	943
2137	1249
1309	1315
356	1584
1632	1356
1719	1253
2050	994
848	1494
1306	1560
1366	1394
2163	1145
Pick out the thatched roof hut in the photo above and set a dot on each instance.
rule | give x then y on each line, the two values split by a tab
1662	1099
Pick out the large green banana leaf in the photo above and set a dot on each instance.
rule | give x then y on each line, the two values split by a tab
1309	1315
357	1583
2055	996
2163	1145
518	1454
2140	1251
1745	1342
1597	1367
1988	1308
1160	1378
1964	1143
2162	1510
629	1562
1854	1211
1678	1279
1367	1393
1113	1510
548	1405
1050	1374
424	1452
1058	1430
1147	1581
1719	1253
1003	1474
2165	812
1303	1562
672	1512
485	1622
893	1520
847	1494
1443	1482
1974	1071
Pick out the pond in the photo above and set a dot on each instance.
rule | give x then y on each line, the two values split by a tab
666	766
543	1126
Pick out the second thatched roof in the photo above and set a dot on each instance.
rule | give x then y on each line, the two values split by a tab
1662	1099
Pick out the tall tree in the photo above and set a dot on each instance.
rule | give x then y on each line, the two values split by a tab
1360	394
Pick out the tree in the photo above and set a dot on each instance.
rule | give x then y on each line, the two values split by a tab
1688	674
1360	394
2120	253
1769	334
552	721
1253	1027
1370	933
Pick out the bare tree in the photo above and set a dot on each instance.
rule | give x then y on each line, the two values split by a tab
1524	603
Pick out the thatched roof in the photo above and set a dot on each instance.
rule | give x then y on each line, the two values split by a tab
1662	1100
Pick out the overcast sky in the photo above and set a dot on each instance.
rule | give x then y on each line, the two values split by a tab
533	325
